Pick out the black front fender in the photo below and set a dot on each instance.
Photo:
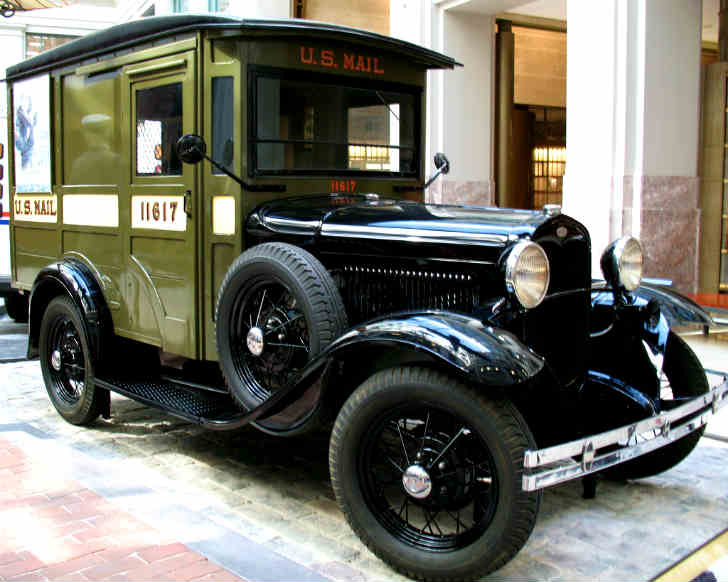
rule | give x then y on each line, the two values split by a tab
482	354
76	280
676	308
462	345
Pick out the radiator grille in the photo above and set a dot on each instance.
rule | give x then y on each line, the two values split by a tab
370	291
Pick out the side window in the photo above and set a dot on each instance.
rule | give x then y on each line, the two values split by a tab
158	127
223	123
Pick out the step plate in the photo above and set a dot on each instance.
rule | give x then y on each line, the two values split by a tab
190	404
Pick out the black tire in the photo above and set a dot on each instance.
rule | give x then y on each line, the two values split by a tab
66	363
17	307
280	289
683	376
476	516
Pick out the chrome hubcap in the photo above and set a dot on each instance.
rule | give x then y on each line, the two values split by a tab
255	341
417	482
56	360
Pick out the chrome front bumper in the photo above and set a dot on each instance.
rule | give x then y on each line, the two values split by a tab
560	463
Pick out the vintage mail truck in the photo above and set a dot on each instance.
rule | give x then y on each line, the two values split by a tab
224	218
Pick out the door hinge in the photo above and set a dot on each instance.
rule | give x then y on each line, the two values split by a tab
186	205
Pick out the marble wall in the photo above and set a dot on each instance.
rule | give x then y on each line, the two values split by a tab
670	228
669	220
465	192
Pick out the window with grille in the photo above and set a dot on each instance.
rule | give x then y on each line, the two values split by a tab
548	154
218	5
38	43
548	175
158	127
180	5
724	215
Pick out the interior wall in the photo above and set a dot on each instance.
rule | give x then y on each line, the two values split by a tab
467	95
367	14
540	67
672	87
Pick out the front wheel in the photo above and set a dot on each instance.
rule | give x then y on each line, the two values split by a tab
428	473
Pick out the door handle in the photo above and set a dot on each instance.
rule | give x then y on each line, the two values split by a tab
186	205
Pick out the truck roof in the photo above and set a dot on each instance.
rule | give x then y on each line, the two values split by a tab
157	27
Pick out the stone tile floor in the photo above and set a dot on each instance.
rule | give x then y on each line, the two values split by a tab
262	508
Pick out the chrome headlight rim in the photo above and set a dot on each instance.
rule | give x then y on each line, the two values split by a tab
511	272
615	270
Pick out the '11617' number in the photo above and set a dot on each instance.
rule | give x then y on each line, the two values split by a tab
158	211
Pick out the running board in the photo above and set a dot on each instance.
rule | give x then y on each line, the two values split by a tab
212	410
186	403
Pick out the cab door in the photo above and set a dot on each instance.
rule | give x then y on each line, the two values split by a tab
224	203
161	270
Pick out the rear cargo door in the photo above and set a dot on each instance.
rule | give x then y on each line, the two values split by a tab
160	276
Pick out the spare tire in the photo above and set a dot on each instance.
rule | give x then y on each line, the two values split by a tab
277	309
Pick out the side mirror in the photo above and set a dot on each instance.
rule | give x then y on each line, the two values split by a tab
442	163
191	148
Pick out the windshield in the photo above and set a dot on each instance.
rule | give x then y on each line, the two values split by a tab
311	125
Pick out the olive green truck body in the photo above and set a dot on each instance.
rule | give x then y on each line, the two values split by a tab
289	274
104	185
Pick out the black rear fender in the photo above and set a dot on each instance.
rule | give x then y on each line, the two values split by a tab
73	278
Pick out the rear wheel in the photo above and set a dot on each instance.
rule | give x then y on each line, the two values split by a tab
17	307
66	363
682	376
428	473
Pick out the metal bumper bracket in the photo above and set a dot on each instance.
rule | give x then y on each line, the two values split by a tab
575	459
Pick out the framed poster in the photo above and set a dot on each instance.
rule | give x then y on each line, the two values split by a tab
31	117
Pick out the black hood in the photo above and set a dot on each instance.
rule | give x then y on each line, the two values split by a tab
387	219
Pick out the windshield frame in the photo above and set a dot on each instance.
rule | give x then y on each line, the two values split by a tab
256	71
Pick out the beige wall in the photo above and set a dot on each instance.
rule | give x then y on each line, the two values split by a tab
540	67
367	14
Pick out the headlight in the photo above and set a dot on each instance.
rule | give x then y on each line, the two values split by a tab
622	263
527	273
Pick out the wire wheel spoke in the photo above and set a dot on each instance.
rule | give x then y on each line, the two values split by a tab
429	474
68	380
431	520
284	324
282	345
270	307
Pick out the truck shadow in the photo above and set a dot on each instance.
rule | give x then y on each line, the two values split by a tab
288	479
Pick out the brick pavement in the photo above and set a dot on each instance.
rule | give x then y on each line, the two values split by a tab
262	507
56	529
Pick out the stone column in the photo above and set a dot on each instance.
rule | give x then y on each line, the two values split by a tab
632	129
504	78
723	31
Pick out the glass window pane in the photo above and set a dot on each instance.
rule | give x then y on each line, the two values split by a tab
223	123
302	125
158	127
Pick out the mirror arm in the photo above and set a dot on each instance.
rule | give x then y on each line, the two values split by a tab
244	185
441	170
